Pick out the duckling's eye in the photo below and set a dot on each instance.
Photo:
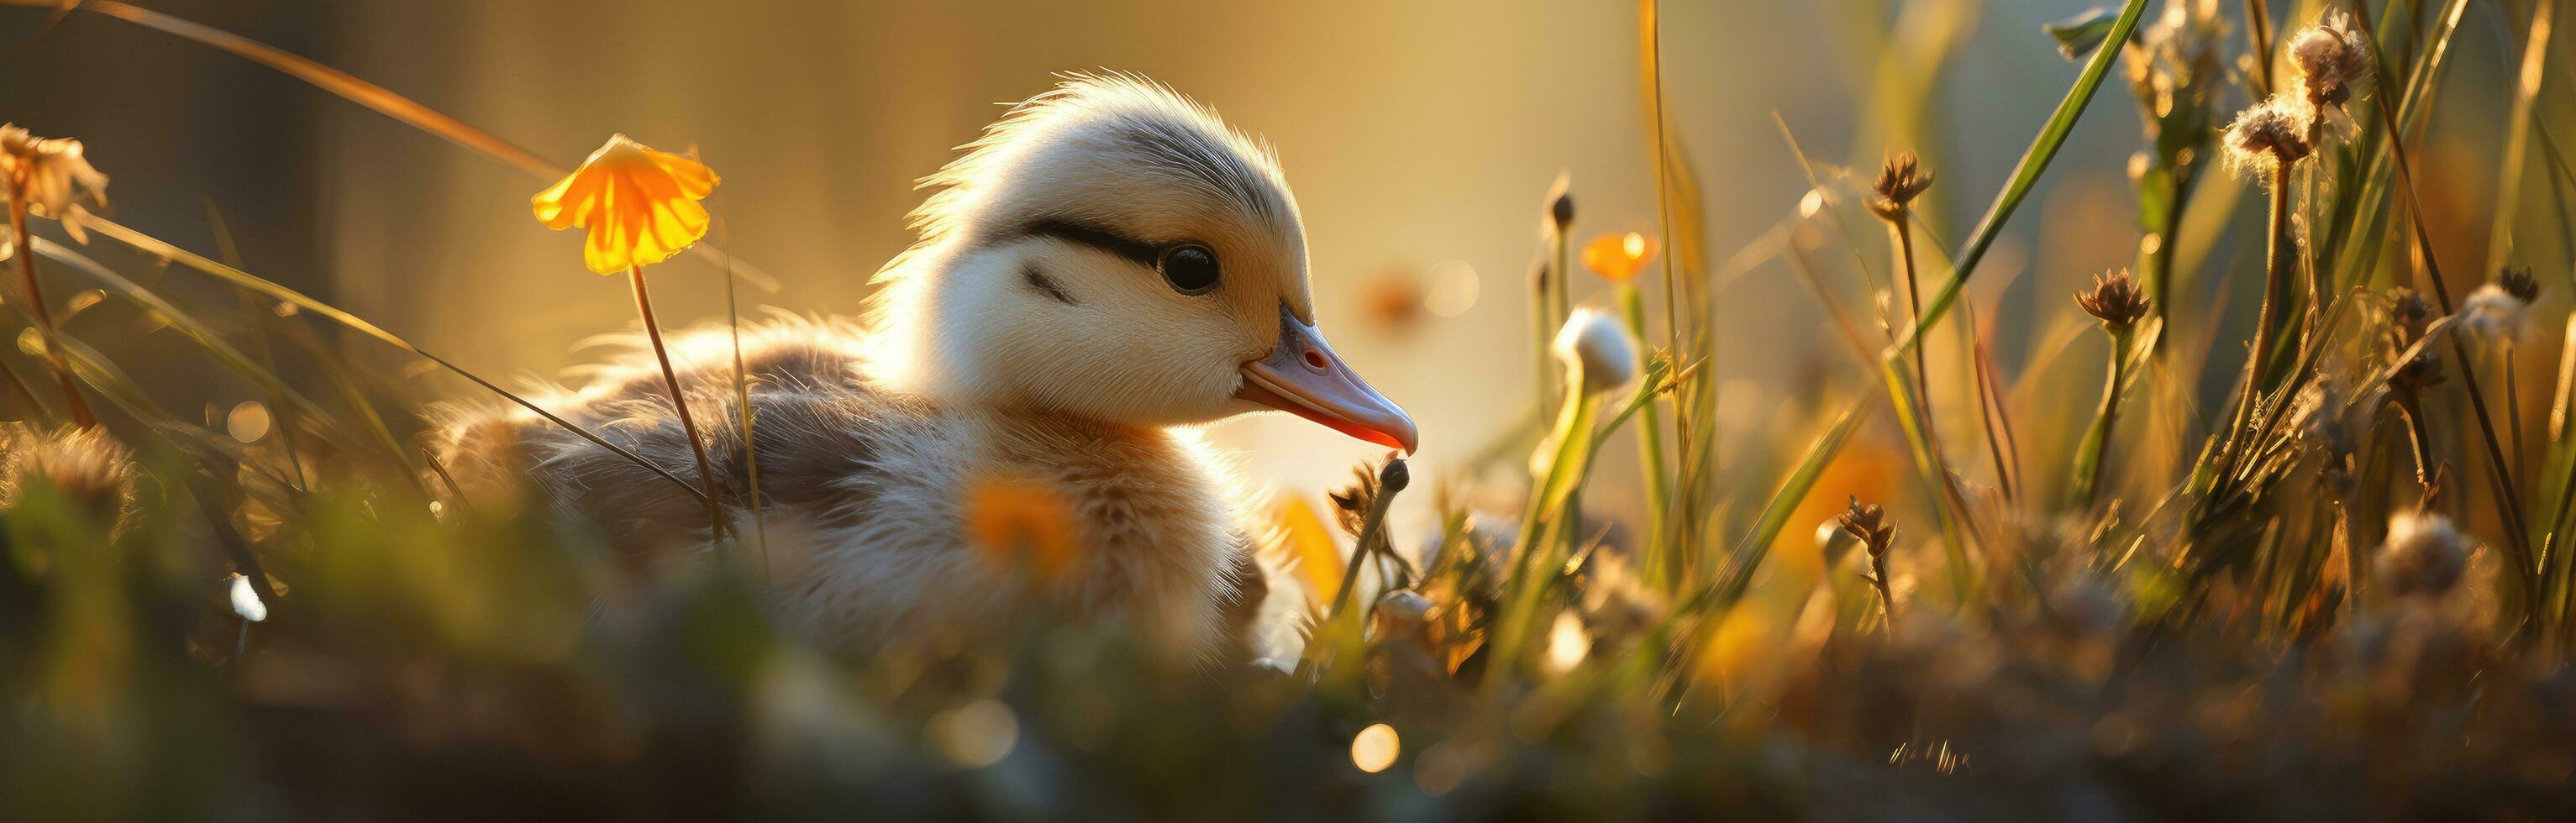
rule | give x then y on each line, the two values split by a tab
1190	268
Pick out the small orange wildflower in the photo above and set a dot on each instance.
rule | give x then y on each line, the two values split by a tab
1319	559
1015	519
640	205
1618	257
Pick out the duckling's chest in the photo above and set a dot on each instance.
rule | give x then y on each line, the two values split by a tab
1151	514
974	522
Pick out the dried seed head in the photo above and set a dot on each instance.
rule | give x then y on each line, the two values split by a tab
1868	524
2519	283
1900	180
2408	313
1395	475
2116	299
2333	60
2422	372
2424	555
1560	203
53	175
2266	135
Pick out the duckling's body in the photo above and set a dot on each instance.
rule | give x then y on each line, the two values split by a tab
1107	268
866	490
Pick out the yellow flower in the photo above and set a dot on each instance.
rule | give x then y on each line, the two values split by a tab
1618	257
1014	519
1319	560
640	205
52	175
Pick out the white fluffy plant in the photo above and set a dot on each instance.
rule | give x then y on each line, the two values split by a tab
1600	357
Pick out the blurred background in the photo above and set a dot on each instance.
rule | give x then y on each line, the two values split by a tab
1421	138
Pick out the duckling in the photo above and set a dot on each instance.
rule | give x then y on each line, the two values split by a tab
1107	269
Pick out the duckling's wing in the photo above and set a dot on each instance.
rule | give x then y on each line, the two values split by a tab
808	391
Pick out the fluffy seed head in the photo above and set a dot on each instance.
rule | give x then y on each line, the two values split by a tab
2493	313
2267	135
85	466
246	600
2424	555
1597	349
2333	60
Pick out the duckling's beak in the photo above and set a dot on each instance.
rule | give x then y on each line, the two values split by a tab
1305	378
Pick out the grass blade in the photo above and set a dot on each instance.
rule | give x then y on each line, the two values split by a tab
376	98
2035	160
152	245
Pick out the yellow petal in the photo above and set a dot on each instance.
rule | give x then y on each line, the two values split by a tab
639	205
1319	561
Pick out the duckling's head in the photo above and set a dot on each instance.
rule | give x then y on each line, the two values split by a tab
1111	249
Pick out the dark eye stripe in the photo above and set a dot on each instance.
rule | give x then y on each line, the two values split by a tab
1071	231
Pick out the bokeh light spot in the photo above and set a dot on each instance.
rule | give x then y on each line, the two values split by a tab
977	734
1374	748
1454	288
248	422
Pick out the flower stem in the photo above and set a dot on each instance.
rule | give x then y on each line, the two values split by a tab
1914	307
744	414
1371	539
680	402
26	249
2276	302
2089	460
1545	519
2512	408
1542	377
1650	446
1886	596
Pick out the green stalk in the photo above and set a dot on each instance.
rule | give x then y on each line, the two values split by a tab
1650	447
2258	34
2034	161
1914	304
743	417
2507	501
1542	522
1542	373
156	247
2088	459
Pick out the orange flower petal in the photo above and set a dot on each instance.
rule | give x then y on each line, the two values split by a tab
639	205
1618	257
